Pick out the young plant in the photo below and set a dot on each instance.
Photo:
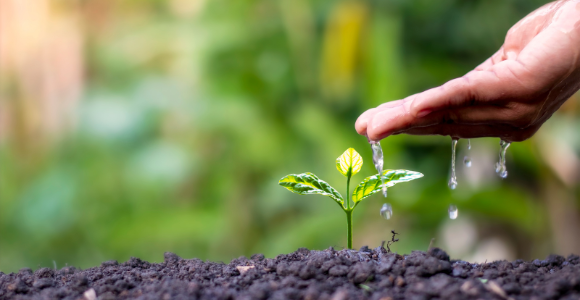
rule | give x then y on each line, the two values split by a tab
348	164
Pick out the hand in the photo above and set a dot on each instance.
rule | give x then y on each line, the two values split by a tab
510	95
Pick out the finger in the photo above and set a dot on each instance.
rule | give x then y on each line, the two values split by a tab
462	131
391	104
394	120
476	87
506	80
361	123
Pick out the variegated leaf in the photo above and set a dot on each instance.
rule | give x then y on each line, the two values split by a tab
309	184
373	184
349	163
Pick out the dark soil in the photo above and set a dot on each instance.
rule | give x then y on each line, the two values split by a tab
304	274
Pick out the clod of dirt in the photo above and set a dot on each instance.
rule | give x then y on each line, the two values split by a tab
304	274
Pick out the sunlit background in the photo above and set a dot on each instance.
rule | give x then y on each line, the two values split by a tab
134	127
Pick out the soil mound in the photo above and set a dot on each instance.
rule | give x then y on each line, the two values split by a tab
305	274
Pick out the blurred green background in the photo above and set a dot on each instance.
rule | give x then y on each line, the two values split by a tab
134	127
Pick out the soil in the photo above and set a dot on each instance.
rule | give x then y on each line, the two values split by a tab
305	274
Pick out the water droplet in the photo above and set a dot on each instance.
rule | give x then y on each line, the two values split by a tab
378	161
467	161
453	178
453	212
500	167
386	211
452	183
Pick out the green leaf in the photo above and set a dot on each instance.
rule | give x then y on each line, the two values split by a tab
373	184
349	163
309	184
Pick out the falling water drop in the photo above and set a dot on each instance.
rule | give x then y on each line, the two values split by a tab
453	179
453	212
500	167
378	161
467	161
386	211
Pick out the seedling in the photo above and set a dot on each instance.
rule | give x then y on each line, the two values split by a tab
348	164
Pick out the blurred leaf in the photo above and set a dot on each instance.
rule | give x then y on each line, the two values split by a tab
340	49
309	184
384	70
349	163
48	200
373	184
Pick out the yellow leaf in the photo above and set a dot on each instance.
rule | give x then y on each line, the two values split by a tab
349	163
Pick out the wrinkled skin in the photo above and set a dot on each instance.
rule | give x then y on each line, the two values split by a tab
509	96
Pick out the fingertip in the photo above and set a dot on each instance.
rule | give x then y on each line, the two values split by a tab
378	127
361	123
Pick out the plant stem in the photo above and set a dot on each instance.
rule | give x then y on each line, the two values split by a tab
349	228
347	192
348	212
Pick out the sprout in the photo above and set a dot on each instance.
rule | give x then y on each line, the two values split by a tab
348	164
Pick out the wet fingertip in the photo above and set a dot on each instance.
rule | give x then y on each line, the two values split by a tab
376	133
361	126
375	136
361	123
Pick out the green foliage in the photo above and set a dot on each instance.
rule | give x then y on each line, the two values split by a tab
309	184
374	184
348	164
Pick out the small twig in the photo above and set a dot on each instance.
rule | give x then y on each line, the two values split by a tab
393	240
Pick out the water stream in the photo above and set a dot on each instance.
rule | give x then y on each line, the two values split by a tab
453	178
387	210
378	161
500	167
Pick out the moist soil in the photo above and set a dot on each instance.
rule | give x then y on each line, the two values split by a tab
305	274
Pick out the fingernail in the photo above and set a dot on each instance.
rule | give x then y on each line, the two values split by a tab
423	113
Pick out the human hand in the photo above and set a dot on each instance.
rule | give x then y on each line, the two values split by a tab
510	95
